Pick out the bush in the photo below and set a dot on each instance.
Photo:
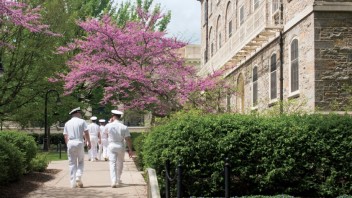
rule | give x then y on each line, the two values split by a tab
55	138
11	162
40	163
25	143
305	155
137	142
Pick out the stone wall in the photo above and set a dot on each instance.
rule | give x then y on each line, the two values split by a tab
304	98
293	8
333	49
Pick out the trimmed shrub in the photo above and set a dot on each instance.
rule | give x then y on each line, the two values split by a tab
11	162
137	142
40	163
55	138
306	155
25	143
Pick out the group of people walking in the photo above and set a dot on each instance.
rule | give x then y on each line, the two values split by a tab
98	137
111	139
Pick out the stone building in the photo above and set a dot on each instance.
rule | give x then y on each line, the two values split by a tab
280	50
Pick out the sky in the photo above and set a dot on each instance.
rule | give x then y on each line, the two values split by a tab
185	21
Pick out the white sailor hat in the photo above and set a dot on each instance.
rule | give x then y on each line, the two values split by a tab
101	120
116	112
74	110
93	118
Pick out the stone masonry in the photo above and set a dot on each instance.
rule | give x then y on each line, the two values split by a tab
323	30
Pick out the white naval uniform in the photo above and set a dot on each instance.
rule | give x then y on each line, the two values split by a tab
74	129
117	133
103	146
93	130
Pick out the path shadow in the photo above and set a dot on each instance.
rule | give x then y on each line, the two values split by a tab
27	183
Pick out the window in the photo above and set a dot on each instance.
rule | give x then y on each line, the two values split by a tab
256	4
294	66
219	40
241	15
212	49
206	56
230	29
275	5
205	11
273	77
255	86
211	7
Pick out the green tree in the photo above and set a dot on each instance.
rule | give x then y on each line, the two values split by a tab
127	11
31	61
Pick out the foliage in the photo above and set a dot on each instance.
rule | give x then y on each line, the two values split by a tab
128	11
300	155
137	142
24	143
24	84
131	63
11	162
40	162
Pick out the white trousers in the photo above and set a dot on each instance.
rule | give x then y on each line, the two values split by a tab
75	150
116	157
103	148
93	150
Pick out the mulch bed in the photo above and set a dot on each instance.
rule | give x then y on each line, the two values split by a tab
28	183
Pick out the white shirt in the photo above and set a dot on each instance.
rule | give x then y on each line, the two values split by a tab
103	134
117	131
74	128
93	130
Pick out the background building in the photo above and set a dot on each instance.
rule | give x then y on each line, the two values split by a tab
289	50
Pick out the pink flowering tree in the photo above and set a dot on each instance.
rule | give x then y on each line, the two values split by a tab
134	65
14	13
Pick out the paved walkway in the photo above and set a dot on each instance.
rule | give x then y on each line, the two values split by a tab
96	181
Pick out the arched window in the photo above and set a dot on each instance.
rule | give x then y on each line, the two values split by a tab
211	41
241	13
255	86
228	20
256	4
218	32
273	77
240	94
294	66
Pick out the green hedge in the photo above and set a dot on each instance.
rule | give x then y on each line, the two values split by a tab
307	155
137	142
55	138
11	162
25	143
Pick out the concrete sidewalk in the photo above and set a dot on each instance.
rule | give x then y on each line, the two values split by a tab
96	181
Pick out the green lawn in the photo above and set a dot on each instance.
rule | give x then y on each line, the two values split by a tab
54	156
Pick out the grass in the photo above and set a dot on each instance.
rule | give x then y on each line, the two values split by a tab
54	156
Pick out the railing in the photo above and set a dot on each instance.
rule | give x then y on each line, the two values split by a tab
178	177
255	24
153	186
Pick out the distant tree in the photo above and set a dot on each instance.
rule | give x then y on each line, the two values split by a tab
135	65
128	11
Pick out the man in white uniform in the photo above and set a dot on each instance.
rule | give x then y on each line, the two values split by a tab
117	133
94	134
103	146
76	135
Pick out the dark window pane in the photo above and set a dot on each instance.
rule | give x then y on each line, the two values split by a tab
255	93
294	76
273	63
255	74
273	85
294	66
